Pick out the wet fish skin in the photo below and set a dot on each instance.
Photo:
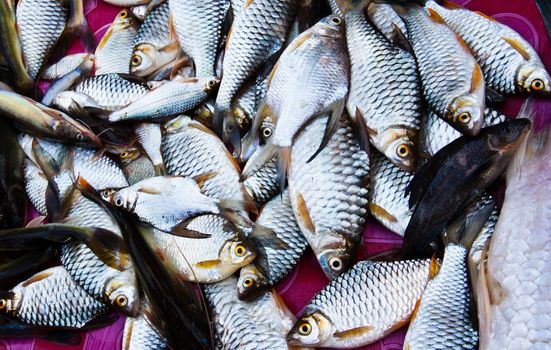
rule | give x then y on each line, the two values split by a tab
136	166
509	62
69	305
475	164
40	26
66	65
67	81
388	200
392	118
198	25
384	17
360	306
140	334
453	83
150	138
330	210
272	265
175	97
263	185
35	186
72	102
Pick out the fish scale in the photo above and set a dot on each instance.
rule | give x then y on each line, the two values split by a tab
443	319
394	109
384	17
139	334
155	28
337	204
111	91
40	24
35	186
262	185
198	24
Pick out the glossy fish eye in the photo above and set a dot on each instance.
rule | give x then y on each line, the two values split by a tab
537	85
336	20
305	328
212	83
121	301
248	282
136	60
80	137
124	155
123	14
464	117
3	304
239	250
118	202
335	264
402	151
267	132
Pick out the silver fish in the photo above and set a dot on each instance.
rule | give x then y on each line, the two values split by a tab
388	201
150	139
51	298
330	210
115	48
140	334
70	79
362	305
65	65
175	97
258	325
198	25
136	166
263	184
40	25
73	102
385	18
272	265
36	184
509	62
111	91
453	83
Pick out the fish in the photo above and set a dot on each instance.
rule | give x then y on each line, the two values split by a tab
140	334
259	134
36	184
388	200
190	149
335	7
330	210
256	35
40	25
73	103
436	133
385	18
205	260
392	116
361	307
509	63
45	122
454	176
150	138
66	65
112	91
263	184
260	325
154	46
11	48
320	55
198	25
272	265
136	167
513	284
128	3
115	48
157	201
452	80
173	98
51	298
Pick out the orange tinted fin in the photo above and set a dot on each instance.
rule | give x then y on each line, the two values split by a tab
477	81
415	310
301	39
247	3
283	162
377	211
434	267
105	38
38	277
435	16
450	5
353	333
517	45
201	179
208	264
149	190
486	16
304	214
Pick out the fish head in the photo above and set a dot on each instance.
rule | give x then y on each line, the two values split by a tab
533	78
143	60
124	20
76	133
125	198
123	295
259	134
10	301
177	125
334	254
467	114
399	148
251	282
312	329
331	26
237	252
210	84
506	137
129	155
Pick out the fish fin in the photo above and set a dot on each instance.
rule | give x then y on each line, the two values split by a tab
172	35
283	162
160	170
37	221
362	131
477	79
268	237
149	190
231	134
208	264
353	333
170	47
133	79
434	267
177	65
330	127
465	227
378	211
449	5
415	310
295	44
400	40
232	205
36	278
108	247
435	17
181	230
483	304
201	179
45	161
517	45
485	16
304	214
262	156
422	179
493	97
104	40
247	3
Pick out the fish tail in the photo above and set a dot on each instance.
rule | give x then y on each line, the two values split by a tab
232	205
283	161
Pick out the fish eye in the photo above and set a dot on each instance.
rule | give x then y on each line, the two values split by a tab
118	202
136	60
248	282
508	130
80	137
537	85
123	14
336	20
305	328
124	154
335	264
3	304
402	151
464	117
121	301
267	132
212	83
239	250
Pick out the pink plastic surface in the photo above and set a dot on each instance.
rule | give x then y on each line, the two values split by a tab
307	279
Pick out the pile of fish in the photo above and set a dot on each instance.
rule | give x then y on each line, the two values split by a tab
182	166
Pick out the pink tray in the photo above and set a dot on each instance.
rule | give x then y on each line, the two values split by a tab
307	279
